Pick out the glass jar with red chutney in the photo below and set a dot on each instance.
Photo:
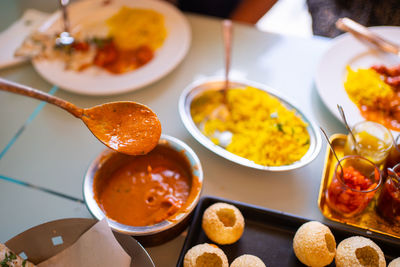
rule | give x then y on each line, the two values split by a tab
354	183
388	205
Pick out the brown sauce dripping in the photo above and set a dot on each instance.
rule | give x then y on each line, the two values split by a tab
127	128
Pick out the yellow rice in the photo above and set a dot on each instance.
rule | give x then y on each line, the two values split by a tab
264	130
134	27
364	86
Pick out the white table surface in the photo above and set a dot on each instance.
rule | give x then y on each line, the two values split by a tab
55	149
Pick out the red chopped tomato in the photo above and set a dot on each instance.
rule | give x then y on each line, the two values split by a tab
144	54
347	196
105	55
80	46
116	60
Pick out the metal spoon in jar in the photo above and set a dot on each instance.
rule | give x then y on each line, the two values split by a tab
392	173
333	150
341	112
127	127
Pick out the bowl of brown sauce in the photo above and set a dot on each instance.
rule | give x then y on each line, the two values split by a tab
148	196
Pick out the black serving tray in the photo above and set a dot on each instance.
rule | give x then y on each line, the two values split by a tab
268	234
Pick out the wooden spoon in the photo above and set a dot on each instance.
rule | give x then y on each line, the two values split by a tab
127	127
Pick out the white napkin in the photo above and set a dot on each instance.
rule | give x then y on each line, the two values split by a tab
13	36
96	247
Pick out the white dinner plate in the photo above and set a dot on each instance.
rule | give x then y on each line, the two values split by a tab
96	81
347	50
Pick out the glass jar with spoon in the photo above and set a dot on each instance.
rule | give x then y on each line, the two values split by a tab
388	204
370	140
394	155
354	183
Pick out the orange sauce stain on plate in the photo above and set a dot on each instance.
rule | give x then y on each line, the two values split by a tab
146	189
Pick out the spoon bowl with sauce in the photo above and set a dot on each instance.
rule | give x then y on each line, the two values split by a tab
127	127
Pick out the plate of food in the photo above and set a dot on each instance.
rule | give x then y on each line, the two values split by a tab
363	80
119	45
262	129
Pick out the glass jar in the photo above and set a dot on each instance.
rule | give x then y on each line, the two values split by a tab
394	155
353	185
388	205
373	141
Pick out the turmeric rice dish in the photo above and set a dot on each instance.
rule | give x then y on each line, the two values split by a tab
264	130
134	27
365	85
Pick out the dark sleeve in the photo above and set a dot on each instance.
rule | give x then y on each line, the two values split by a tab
325	13
217	8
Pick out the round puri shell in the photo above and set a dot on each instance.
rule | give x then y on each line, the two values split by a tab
395	263
314	244
247	260
205	255
223	223
359	251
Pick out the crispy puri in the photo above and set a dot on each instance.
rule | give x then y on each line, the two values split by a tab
314	244
395	263
247	260
223	223
359	251
205	255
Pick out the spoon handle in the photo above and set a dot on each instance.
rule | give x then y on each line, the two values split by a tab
341	111
363	33
227	32
64	4
16	88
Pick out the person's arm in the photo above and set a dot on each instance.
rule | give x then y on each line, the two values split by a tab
250	11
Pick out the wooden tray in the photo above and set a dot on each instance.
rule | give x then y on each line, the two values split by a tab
268	234
369	219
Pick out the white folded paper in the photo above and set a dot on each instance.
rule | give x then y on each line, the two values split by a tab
96	247
13	36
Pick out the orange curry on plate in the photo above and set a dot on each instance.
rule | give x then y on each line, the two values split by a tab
376	92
